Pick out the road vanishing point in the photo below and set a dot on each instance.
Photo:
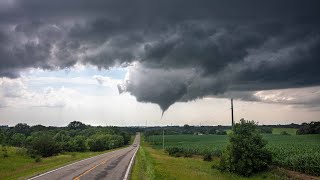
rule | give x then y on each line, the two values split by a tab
111	165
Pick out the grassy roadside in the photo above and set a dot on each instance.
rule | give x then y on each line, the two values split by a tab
143	167
18	165
155	164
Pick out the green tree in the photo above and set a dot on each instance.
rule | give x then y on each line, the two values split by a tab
63	140
18	139
246	153
212	131
43	144
99	142
2	137
22	128
38	128
309	128
126	137
115	141
76	125
62	136
79	143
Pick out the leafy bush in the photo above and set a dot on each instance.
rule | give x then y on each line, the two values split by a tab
37	159
221	132
180	152
246	153
5	152
284	133
207	157
216	153
175	151
187	153
21	151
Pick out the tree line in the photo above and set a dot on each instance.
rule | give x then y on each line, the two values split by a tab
75	137
309	128
186	129
304	128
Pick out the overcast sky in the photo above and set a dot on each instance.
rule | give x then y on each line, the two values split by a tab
62	61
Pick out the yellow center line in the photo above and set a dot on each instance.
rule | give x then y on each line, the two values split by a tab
87	171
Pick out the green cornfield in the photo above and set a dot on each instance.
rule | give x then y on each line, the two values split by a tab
294	152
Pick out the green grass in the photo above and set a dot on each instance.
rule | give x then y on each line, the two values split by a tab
143	168
18	165
155	164
291	131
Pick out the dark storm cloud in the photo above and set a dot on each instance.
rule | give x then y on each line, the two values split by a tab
184	49
228	59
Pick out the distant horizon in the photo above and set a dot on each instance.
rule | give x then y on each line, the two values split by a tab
1	125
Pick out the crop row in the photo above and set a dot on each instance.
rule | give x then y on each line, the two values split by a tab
298	153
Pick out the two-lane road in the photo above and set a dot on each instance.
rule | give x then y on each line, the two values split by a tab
111	165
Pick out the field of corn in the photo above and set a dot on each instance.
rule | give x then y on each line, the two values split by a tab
295	152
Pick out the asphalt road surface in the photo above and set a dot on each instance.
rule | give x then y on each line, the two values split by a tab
111	165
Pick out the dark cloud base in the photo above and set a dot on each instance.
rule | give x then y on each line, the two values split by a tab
183	49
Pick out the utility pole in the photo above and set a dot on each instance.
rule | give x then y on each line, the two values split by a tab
232	111
163	139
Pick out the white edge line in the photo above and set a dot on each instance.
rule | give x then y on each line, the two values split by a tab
68	165
130	165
